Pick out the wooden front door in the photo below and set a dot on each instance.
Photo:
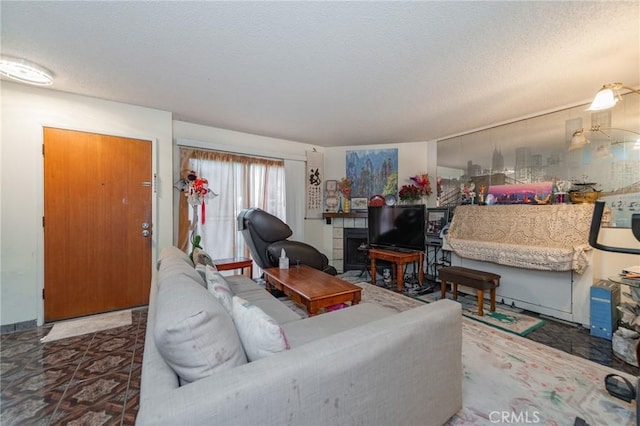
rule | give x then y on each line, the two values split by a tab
97	200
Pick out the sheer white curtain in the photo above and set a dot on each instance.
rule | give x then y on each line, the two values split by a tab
240	182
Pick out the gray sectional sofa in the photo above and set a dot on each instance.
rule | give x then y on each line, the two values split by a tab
361	365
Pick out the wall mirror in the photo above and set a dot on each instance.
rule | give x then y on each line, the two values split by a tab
537	149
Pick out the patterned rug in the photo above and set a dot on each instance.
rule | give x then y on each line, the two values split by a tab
504	317
508	376
78	327
509	379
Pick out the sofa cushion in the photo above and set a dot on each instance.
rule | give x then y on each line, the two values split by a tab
172	252
320	326
193	332
174	267
217	286
252	292
260	334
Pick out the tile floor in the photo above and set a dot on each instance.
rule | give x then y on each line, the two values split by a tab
92	379
95	379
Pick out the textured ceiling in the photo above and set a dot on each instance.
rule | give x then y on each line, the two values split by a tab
332	73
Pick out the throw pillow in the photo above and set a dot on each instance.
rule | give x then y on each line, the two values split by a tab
218	286
193	332
201	257
260	334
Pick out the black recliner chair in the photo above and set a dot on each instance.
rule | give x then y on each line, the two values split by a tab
266	236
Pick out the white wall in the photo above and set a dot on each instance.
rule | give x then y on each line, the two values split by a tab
25	110
608	264
233	141
413	158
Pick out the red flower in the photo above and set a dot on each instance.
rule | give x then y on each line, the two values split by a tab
409	193
422	181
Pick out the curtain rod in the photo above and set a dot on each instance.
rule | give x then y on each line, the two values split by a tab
239	150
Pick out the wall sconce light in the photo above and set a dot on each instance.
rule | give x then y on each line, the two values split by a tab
603	151
24	71
608	96
579	140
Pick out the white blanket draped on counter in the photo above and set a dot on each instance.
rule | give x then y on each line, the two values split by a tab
548	237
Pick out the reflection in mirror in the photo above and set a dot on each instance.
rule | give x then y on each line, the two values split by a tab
586	155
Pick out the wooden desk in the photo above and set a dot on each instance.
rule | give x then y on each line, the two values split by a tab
312	288
399	259
234	263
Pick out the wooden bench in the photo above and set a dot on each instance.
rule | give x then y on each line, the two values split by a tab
480	280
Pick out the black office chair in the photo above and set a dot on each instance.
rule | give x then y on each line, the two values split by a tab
266	235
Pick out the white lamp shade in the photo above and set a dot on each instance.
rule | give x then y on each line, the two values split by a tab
605	98
578	140
603	151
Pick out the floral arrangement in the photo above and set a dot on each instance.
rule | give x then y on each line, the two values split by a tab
345	186
196	189
423	184
410	193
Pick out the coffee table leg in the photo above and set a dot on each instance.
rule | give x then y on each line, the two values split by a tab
356	298
312	309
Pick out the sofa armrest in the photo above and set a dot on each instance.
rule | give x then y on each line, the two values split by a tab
402	369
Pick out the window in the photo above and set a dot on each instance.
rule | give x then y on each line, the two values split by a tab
240	182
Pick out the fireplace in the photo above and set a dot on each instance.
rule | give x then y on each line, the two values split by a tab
354	259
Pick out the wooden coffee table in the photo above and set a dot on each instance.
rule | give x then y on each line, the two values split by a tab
312	288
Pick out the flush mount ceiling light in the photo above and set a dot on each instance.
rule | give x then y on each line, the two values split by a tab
608	96
24	71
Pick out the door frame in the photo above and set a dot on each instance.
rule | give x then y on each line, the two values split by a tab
40	206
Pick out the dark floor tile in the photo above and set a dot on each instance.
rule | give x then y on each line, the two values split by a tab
95	379
100	365
94	401
578	341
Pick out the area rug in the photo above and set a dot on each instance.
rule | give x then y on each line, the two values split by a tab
92	324
504	318
508	379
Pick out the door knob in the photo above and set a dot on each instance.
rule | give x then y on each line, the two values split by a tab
145	225
146	233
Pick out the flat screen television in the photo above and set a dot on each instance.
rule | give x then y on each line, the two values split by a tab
397	227
437	219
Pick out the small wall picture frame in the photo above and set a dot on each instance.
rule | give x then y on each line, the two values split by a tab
359	204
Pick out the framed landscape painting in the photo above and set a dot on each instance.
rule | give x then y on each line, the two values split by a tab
373	172
359	204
